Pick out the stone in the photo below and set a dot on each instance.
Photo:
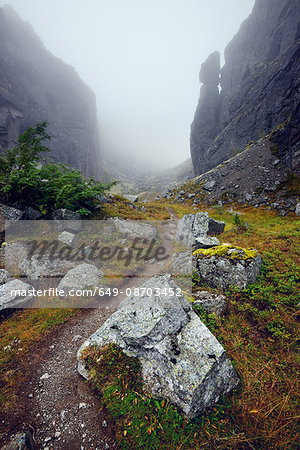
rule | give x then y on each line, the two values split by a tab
205	242
215	227
297	209
181	264
9	294
134	228
103	199
20	441
67	220
131	198
14	253
226	265
211	303
209	185
77	337
10	214
45	376
192	231
31	214
68	238
181	360
248	197
4	276
81	277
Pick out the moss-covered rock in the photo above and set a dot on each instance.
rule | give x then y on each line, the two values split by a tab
226	265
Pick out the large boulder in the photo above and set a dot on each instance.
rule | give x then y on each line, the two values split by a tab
192	230
81	277
181	359
14	294
225	265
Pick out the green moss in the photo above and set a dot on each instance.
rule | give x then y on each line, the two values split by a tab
226	251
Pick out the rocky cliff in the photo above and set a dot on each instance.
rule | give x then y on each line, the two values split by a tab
259	89
35	86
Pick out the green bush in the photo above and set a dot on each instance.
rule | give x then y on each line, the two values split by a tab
48	186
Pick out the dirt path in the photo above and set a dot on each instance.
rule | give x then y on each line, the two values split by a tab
55	403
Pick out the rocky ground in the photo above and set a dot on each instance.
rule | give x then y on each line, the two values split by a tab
254	177
55	404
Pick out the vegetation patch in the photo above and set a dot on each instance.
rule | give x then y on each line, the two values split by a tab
226	251
142	421
26	177
124	209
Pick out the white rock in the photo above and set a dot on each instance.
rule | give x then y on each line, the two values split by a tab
45	376
14	294
181	359
192	231
68	238
131	198
80	277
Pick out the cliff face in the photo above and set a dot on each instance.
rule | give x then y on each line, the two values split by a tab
34	87
259	89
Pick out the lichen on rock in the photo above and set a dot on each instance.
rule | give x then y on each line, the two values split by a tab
227	251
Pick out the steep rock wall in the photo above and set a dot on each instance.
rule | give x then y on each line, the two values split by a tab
35	86
260	90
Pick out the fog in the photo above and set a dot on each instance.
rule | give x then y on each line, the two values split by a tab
142	59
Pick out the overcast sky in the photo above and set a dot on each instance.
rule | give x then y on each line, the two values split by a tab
142	59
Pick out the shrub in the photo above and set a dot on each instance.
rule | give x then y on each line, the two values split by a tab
49	186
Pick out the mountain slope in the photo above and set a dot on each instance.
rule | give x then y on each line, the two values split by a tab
35	86
260	89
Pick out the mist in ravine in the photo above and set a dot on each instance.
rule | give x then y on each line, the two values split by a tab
142	59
